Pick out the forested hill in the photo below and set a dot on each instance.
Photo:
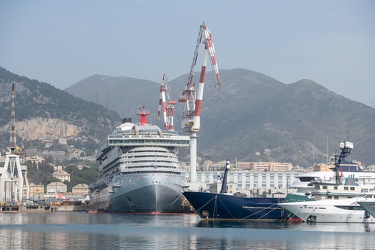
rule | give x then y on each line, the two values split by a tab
42	105
252	117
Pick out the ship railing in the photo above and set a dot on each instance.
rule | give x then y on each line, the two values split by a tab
147	135
152	169
178	138
148	141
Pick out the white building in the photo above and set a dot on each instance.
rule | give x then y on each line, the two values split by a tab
56	188
249	182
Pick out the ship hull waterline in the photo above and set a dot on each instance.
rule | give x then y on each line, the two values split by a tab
216	206
139	197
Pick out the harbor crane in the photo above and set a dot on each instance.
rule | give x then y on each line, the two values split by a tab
13	182
193	97
167	105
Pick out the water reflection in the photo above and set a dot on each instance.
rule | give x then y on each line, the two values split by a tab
104	231
325	227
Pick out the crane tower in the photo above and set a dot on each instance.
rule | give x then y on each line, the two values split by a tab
167	105
193	97
14	180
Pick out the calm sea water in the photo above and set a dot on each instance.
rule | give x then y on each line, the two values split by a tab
79	230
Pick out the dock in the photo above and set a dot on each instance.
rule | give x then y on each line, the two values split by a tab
26	209
43	209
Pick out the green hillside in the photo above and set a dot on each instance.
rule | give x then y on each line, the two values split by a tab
251	112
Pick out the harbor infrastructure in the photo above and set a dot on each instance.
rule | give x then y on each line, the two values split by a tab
14	184
192	96
251	183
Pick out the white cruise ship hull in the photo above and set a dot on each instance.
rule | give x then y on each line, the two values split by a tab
139	171
141	193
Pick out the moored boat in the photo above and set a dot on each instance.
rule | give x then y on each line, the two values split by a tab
216	206
139	170
332	211
334	200
345	180
223	206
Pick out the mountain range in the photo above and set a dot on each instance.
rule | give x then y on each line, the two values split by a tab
251	117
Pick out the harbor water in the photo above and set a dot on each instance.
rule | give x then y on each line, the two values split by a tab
80	230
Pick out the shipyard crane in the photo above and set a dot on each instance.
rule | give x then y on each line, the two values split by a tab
193	97
166	104
13	181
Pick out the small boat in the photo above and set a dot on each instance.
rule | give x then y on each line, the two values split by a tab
224	206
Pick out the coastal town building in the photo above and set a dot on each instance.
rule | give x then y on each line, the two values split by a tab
35	189
61	174
271	166
80	189
252	183
35	159
55	188
209	165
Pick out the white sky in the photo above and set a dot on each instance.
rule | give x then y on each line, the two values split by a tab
62	42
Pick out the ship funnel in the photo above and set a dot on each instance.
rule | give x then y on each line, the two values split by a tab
142	115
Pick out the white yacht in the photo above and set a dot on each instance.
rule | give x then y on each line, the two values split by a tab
335	198
332	211
344	179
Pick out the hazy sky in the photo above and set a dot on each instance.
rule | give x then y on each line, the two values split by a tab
331	42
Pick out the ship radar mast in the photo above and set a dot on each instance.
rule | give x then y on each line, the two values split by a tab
224	188
345	147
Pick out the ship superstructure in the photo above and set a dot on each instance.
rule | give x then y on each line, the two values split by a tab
139	169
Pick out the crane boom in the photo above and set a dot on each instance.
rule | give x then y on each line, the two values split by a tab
194	97
162	102
13	124
166	104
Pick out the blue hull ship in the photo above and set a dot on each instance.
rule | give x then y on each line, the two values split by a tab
221	206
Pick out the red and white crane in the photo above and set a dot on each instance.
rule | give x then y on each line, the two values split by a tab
166	104
194	98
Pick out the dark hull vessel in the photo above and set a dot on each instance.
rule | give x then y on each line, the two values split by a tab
216	206
223	206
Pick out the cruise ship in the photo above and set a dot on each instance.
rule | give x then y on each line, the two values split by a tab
139	170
